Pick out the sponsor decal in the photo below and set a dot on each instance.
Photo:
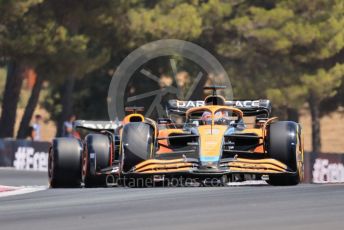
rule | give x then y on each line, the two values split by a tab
189	104
27	158
239	104
212	132
326	172
244	104
230	145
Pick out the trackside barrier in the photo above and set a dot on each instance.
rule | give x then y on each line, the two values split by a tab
24	154
32	155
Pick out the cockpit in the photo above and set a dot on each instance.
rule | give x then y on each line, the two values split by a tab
217	115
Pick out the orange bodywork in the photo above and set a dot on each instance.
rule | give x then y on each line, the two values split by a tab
164	144
214	108
211	137
260	133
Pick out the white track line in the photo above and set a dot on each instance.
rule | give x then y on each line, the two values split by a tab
248	183
12	191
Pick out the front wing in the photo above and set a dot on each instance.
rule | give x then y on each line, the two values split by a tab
191	166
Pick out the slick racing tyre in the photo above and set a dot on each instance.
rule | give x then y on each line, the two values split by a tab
284	145
64	163
95	158
137	144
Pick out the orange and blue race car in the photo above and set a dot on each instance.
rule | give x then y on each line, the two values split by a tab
218	141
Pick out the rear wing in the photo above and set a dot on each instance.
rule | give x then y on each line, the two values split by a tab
96	125
260	107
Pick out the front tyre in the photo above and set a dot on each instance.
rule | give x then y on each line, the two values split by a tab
136	146
284	144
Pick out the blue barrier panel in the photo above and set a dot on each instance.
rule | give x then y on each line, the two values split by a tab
24	154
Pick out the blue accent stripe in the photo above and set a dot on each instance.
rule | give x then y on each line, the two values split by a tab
230	131
216	158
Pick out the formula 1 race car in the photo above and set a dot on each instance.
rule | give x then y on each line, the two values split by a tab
219	141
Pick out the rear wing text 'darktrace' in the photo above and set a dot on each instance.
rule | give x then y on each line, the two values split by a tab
260	107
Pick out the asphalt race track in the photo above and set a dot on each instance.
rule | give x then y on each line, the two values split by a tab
234	207
12	177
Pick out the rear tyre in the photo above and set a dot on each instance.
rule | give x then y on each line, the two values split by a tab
283	145
137	146
64	163
95	158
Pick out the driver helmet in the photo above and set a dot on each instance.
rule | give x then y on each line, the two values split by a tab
206	117
220	114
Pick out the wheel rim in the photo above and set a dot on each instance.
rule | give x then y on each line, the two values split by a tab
84	166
